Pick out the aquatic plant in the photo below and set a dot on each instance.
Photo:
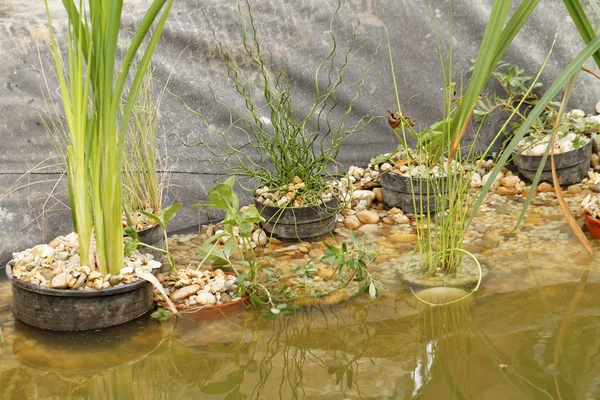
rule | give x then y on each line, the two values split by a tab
352	262
592	49
269	286
278	142
91	100
517	98
162	219
144	175
442	225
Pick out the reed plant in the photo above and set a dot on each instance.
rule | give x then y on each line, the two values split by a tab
441	233
92	95
441	187
499	33
277	141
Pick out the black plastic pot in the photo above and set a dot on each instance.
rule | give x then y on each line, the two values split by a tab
78	310
299	222
398	192
571	167
153	236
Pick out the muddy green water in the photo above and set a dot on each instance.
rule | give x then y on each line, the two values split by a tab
531	332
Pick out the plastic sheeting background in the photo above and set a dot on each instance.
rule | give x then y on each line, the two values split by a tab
188	58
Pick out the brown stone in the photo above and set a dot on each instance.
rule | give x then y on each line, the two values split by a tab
185	292
378	193
367	217
544	187
402	237
574	189
510	181
507	190
351	222
387	220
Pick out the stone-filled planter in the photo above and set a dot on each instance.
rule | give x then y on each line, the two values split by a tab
299	222
398	192
153	236
571	167
592	224
467	277
78	310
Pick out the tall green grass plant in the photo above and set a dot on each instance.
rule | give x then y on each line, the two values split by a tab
91	100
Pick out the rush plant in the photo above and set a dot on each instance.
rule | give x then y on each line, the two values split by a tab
91	83
278	141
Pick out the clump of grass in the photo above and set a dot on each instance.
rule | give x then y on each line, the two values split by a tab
279	141
144	175
441	232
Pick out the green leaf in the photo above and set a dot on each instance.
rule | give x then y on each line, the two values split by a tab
236	376
153	217
132	233
130	247
161	314
251	214
169	212
245	228
583	24
222	196
218	387
229	247
275	310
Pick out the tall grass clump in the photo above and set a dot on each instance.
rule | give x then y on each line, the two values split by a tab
144	175
91	85
277	141
436	166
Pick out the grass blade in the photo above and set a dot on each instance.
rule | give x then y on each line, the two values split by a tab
559	196
550	94
583	24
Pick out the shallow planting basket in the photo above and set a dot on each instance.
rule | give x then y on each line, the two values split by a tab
299	222
78	310
571	167
398	192
592	224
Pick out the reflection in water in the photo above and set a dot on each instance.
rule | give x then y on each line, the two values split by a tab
509	345
444	332
310	344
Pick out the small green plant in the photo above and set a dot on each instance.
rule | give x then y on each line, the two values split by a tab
236	235
278	143
270	286
143	182
162	219
352	262
518	99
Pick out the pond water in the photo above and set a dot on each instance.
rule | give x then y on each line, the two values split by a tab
531	332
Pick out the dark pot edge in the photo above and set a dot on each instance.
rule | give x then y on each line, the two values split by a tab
72	293
538	159
329	205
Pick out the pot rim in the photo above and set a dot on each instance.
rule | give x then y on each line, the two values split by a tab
589	216
73	293
328	205
581	149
